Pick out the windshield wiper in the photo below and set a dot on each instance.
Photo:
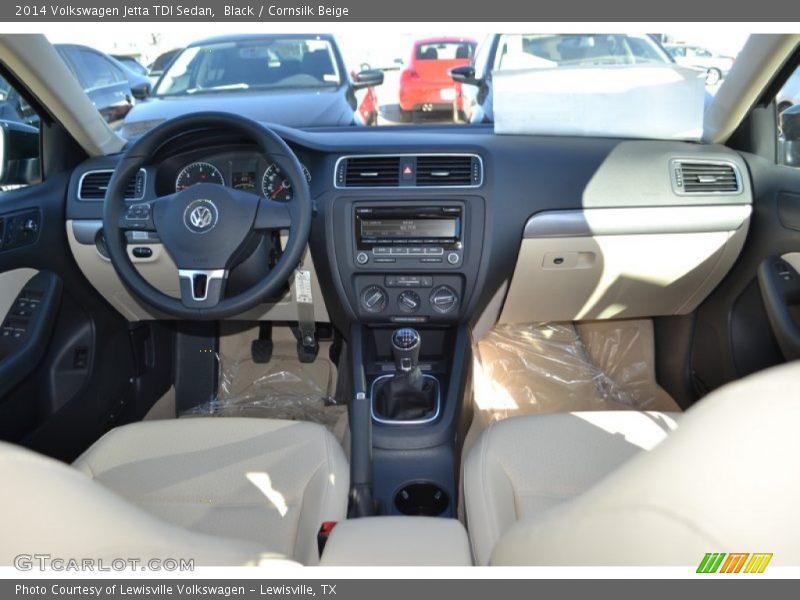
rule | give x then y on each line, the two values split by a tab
218	88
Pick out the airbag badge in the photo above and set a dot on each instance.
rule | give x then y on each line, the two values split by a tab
201	216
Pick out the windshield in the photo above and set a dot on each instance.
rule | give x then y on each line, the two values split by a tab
446	77
259	64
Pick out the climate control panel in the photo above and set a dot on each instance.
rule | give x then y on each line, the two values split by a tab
409	298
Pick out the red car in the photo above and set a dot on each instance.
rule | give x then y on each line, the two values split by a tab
367	100
426	85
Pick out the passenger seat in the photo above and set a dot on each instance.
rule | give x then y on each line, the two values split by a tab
583	489
523	466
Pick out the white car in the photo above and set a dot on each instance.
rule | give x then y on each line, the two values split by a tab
716	65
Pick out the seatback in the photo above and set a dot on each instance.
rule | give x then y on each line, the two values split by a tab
728	480
524	466
50	508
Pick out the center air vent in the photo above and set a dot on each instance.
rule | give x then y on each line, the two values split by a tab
409	170
371	171
705	177
94	184
447	170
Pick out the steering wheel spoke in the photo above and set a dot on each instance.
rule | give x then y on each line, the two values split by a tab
138	217
202	288
273	215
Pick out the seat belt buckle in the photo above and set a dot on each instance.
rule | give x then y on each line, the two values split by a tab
323	535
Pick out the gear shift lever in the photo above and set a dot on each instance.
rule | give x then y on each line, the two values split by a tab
405	349
406	395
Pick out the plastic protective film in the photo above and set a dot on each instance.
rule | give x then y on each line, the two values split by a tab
283	388
556	367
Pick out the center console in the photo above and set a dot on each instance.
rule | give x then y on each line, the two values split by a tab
410	261
408	266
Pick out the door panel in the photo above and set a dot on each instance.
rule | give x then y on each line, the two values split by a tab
89	369
11	284
734	332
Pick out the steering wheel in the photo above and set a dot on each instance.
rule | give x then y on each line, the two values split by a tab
206	227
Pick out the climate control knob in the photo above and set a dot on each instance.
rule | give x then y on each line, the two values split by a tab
374	299
409	301
443	299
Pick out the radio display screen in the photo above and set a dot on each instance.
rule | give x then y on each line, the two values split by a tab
409	228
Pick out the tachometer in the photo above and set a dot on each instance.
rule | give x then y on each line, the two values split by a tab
276	186
198	172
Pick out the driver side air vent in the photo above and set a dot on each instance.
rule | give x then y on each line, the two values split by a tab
370	171
94	184
705	177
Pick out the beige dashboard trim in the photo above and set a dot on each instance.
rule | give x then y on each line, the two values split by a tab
11	284
629	267
161	272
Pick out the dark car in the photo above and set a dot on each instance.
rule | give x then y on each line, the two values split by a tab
291	79
156	69
130	63
111	87
500	52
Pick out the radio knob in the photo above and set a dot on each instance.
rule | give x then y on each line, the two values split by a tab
452	258
362	258
374	299
443	299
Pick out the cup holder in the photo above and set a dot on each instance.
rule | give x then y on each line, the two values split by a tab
421	500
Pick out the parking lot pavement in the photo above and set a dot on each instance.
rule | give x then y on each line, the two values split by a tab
389	111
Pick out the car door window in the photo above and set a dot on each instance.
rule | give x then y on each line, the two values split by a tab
19	140
788	106
94	70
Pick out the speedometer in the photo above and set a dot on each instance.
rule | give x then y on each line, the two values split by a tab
198	172
276	186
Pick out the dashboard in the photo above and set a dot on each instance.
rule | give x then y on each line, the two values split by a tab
440	226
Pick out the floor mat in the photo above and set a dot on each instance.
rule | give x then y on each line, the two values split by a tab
283	388
564	367
558	367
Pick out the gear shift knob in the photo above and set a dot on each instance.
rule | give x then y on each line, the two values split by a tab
405	348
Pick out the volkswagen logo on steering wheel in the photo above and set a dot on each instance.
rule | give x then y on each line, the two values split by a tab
200	216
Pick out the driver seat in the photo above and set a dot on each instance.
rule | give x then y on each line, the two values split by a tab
232	491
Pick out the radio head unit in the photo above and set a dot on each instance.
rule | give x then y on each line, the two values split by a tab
424	235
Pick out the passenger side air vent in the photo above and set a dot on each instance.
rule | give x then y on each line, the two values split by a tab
370	171
448	170
705	177
94	184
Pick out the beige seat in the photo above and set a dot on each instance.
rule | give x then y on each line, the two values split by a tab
523	466
553	490
221	491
